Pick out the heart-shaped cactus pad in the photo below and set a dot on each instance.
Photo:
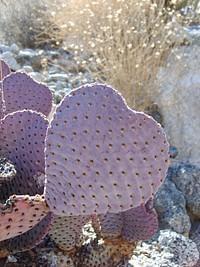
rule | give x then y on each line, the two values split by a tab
101	156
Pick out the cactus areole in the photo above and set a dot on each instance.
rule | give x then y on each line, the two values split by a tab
101	156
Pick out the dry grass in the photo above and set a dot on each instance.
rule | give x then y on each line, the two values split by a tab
22	20
122	43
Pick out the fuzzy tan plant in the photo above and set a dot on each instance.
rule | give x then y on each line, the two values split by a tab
122	43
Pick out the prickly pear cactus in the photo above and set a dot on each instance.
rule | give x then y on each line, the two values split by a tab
27	240
133	225
121	231
108	225
94	255
21	213
20	91
2	104
22	135
141	223
71	226
101	156
4	69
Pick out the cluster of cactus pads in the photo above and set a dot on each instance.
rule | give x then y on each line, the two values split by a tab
95	160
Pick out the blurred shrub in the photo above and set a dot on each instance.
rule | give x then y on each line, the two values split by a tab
23	21
119	42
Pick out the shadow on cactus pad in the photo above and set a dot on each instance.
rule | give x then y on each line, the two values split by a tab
22	136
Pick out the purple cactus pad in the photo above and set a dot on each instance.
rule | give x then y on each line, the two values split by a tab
141	223
29	239
19	214
108	225
66	232
134	225
20	91
22	136
101	156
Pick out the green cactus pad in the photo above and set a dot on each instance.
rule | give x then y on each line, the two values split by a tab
101	156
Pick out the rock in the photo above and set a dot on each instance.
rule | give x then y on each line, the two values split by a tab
4	48
14	48
173	152
54	70
60	85
36	75
187	180
170	206
69	86
57	97
30	56
170	250
53	54
28	68
154	111
182	251
194	32
57	77
177	34
36	62
69	65
195	236
11	259
177	92
10	60
28	53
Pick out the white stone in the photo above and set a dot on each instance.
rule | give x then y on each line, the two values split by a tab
28	53
10	60
57	77
36	75
14	48
28	68
178	95
170	250
4	48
